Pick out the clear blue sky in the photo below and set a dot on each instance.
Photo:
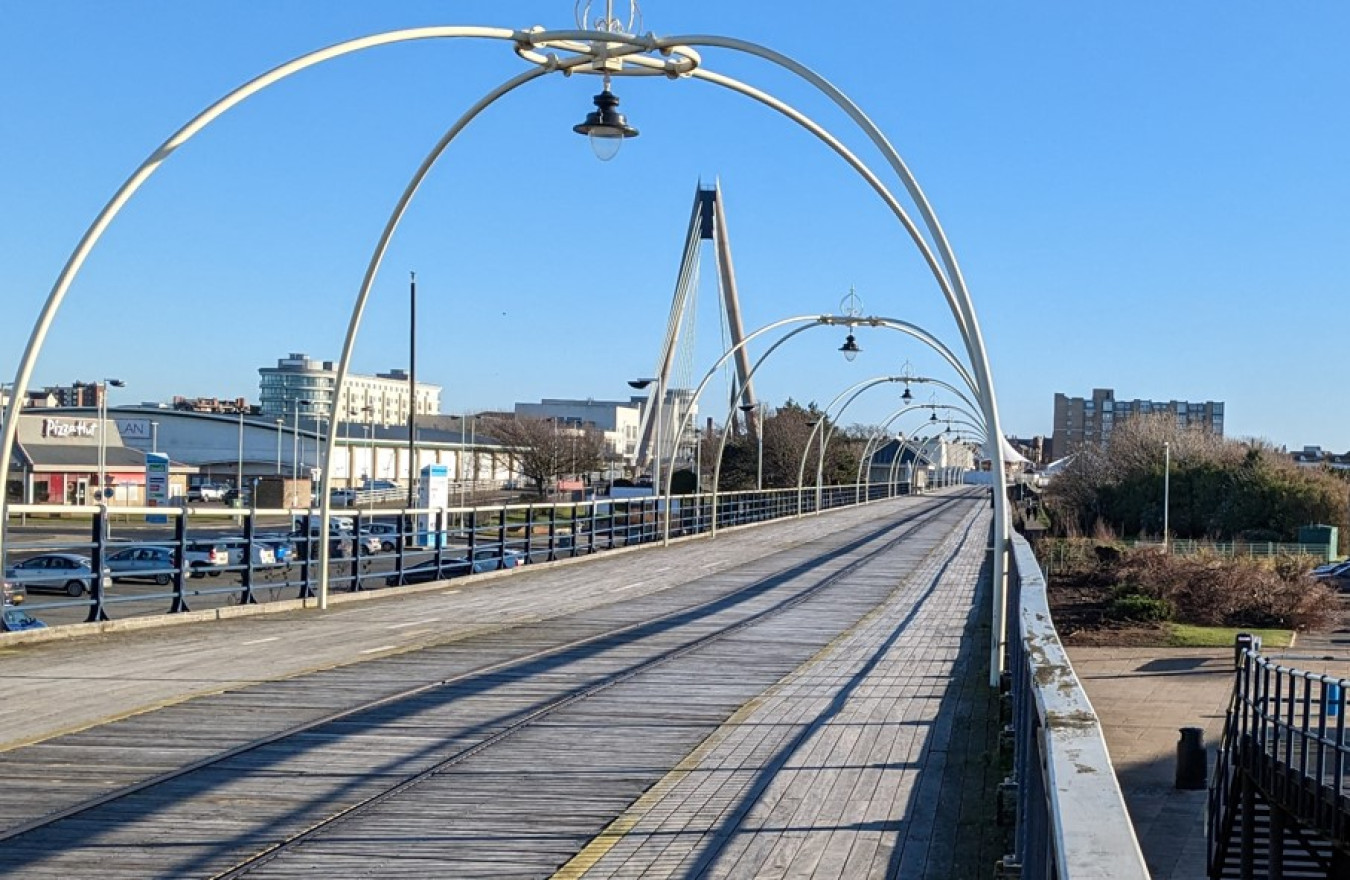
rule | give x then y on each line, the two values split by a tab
1153	198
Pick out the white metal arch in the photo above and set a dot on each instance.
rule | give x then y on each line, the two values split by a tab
597	46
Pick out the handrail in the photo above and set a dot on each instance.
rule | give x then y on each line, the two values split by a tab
1072	822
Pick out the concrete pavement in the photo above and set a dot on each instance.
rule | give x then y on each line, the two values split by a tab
1143	697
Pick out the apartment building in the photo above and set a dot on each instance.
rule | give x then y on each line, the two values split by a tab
1090	420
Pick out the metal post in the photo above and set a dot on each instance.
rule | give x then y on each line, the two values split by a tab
1167	490
412	403
239	473
154	437
280	421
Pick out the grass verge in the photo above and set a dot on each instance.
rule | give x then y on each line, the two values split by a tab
1183	635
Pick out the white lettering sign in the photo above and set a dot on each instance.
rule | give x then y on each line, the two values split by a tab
69	428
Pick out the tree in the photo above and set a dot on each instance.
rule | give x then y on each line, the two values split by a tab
545	451
1219	489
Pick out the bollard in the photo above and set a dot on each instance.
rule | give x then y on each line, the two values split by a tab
1192	761
1244	642
1331	699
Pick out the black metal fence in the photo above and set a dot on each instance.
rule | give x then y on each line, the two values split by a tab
173	560
1278	796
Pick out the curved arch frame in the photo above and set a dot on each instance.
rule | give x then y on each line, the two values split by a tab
597	47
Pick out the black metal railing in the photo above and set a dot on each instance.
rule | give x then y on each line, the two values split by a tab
209	556
1279	789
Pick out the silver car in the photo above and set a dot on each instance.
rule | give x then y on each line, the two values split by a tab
143	562
67	573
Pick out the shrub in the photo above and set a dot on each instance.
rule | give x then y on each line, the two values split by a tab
1210	590
1145	609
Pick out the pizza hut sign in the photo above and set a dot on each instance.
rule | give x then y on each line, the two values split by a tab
69	428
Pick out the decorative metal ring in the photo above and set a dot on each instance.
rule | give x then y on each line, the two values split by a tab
645	53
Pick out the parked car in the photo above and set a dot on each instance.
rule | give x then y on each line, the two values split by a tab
342	497
237	497
1338	577
489	557
206	557
387	533
283	547
263	553
67	573
143	562
378	485
339	543
1331	568
13	594
18	620
206	492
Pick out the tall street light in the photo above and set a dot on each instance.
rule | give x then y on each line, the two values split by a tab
103	491
1167	490
659	393
280	422
295	445
758	410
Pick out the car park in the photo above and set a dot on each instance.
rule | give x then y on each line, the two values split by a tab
18	620
491	557
142	562
68	573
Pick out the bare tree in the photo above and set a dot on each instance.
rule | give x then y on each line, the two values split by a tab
543	450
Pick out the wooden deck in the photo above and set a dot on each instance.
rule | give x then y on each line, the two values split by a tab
804	699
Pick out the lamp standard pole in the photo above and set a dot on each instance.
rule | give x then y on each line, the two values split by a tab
1167	490
239	473
103	433
295	446
154	437
280	421
758	410
369	412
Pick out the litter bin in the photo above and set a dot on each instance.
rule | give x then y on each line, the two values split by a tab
1192	761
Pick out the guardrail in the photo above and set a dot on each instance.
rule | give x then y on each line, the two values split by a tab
1070	817
273	553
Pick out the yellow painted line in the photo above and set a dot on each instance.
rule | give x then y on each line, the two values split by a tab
606	840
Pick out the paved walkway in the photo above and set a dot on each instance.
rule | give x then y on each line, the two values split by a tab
1144	696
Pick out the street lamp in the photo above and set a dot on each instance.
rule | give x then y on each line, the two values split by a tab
850	348
656	411
295	446
154	437
1167	489
103	492
605	126
279	423
758	409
